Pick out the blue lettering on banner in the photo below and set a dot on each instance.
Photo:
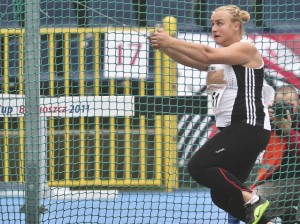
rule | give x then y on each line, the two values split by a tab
6	110
79	108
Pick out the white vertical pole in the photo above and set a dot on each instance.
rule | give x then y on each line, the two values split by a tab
32	207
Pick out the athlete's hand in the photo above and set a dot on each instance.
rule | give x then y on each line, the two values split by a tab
281	123
271	113
160	39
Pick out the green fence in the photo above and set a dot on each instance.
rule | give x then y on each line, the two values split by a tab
96	122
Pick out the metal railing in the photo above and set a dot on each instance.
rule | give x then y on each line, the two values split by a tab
97	156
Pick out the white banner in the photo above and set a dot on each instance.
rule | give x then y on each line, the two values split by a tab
80	106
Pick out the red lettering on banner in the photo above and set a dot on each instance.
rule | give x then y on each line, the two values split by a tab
136	54
54	109
62	109
21	109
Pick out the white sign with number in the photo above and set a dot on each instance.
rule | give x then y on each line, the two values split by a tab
126	55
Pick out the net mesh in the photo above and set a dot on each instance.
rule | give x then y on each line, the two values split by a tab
98	127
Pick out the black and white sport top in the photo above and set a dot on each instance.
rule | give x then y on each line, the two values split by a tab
241	99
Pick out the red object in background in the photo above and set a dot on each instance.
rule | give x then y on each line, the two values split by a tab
281	54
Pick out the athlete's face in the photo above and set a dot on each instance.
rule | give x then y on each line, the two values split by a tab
224	31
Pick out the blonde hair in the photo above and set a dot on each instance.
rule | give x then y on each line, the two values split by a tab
237	15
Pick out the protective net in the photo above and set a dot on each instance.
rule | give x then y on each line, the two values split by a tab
98	127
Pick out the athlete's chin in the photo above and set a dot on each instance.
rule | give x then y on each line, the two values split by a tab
218	40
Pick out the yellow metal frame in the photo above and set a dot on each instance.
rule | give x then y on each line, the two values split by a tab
165	141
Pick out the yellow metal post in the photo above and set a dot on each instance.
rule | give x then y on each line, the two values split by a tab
170	121
127	137
112	130
6	121
21	119
67	93
158	118
97	93
142	136
51	129
82	150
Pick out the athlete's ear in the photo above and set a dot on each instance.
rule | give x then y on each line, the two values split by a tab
237	25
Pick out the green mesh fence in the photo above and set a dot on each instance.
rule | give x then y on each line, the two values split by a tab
98	127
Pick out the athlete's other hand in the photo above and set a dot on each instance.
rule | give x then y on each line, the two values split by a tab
160	39
281	123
